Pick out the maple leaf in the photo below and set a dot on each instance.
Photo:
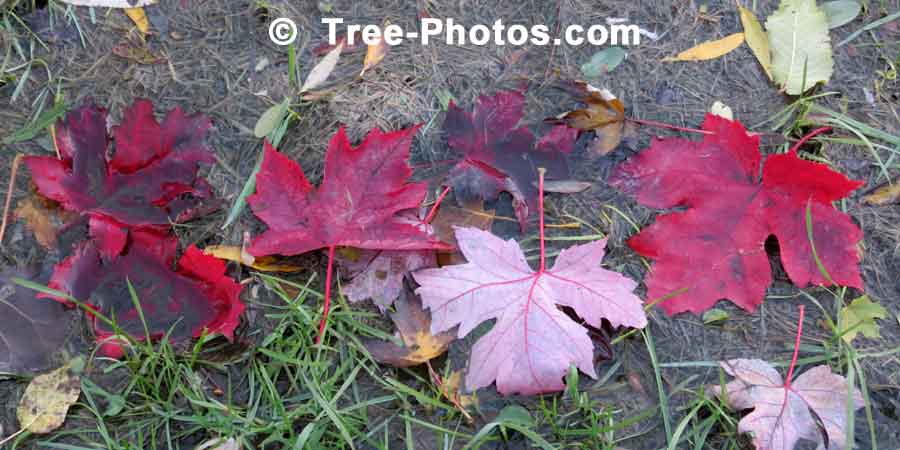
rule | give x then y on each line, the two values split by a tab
137	185
714	248
358	204
378	274
196	296
414	328
32	330
785	411
533	342
500	156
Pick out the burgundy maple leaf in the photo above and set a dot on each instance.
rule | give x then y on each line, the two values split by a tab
714	248
498	155
533	342
196	296
139	184
358	204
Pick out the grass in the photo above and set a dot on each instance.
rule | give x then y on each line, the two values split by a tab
285	392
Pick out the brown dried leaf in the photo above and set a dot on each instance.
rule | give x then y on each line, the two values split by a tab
42	219
605	115
414	327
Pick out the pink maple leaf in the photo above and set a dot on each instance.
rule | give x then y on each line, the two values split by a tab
533	343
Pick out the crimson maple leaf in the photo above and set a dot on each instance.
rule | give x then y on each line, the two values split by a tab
533	342
138	184
714	248
500	156
358	204
196	296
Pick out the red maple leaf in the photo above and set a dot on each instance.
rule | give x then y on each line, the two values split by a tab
533	343
196	296
714	248
500	156
140	184
357	205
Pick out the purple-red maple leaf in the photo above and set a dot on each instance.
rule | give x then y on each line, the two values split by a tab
498	155
533	342
785	411
713	247
139	183
378	274
357	204
196	296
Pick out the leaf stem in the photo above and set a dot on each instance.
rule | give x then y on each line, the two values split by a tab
653	123
787	383
9	191
327	307
808	136
434	207
541	171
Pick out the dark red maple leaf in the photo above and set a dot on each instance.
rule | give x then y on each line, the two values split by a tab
498	155
357	205
714	248
139	184
196	296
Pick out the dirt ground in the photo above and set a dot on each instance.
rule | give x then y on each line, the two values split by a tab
211	50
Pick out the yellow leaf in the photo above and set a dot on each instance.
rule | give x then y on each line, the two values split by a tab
375	53
48	397
139	18
709	49
425	346
238	255
757	40
885	195
451	388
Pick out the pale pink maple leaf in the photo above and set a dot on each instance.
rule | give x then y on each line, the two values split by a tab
783	412
533	343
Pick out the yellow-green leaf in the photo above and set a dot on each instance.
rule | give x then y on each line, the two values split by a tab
48	397
757	40
709	49
271	119
859	317
801	46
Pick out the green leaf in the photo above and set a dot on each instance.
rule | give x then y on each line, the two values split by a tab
515	414
271	119
841	12
715	316
603	62
859	317
801	46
